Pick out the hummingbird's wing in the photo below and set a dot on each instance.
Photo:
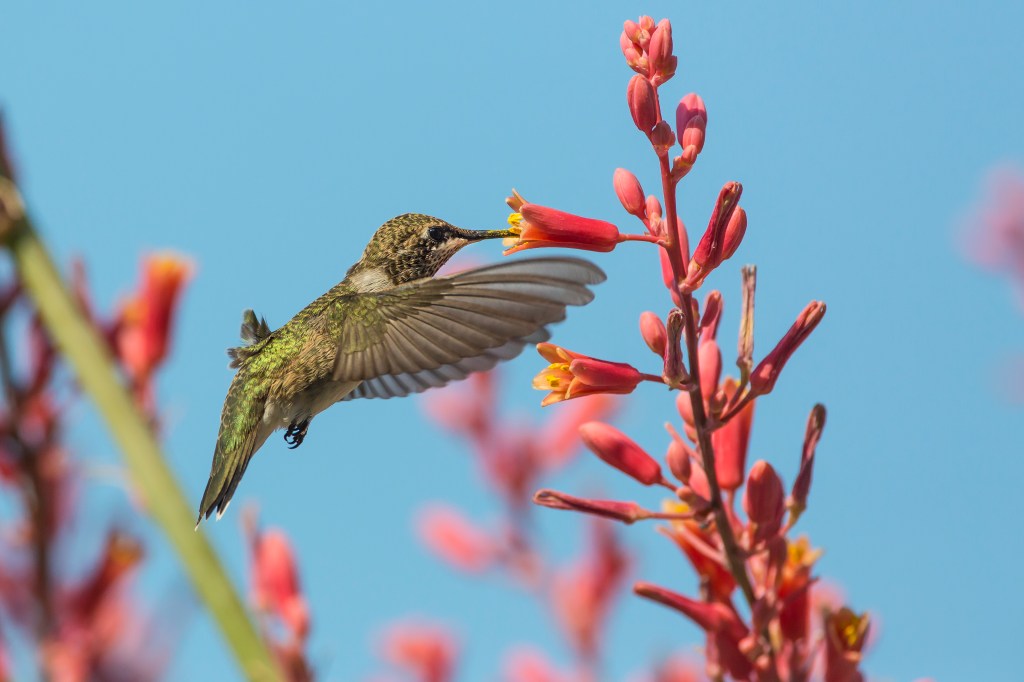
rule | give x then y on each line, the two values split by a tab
426	334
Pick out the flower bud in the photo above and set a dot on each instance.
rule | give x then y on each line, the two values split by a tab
691	122
630	193
710	357
643	103
627	512
652	329
661	62
764	376
734	232
678	460
731	442
662	138
708	329
618	450
710	250
764	501
712	617
797	502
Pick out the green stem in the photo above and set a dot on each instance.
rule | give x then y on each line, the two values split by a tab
88	355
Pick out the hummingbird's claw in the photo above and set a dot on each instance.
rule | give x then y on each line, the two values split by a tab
296	433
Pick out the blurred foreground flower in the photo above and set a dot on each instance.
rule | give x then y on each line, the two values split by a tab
994	230
143	328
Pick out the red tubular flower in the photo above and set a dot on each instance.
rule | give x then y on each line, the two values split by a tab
537	226
627	512
764	501
619	451
572	375
764	376
630	193
642	100
712	617
451	536
145	322
845	636
731	442
652	329
797	502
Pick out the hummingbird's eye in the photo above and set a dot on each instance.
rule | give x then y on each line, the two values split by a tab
437	233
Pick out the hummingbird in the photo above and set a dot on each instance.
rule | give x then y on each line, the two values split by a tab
388	329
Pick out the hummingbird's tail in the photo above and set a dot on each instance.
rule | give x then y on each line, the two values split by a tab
242	432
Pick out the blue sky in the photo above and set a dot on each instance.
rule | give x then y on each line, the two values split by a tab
269	142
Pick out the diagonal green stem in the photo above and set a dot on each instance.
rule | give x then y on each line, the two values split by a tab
87	354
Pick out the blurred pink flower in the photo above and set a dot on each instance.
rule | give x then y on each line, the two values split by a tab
994	230
582	593
525	664
427	651
275	579
455	539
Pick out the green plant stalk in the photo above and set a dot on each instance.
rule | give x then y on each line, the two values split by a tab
87	354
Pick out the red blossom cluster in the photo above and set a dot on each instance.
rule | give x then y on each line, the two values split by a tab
772	633
84	622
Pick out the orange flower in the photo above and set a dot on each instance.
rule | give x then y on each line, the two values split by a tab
146	320
571	375
536	226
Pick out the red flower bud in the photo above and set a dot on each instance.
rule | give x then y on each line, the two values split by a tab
691	122
764	376
630	193
678	460
731	442
710	357
764	500
661	62
643	103
802	485
652	329
712	617
627	512
734	232
616	449
662	138
710	250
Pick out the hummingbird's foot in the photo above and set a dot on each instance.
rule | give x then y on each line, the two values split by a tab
296	433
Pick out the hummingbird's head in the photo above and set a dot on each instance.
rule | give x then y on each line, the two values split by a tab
412	246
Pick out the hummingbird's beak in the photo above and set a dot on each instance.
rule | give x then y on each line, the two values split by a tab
476	235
